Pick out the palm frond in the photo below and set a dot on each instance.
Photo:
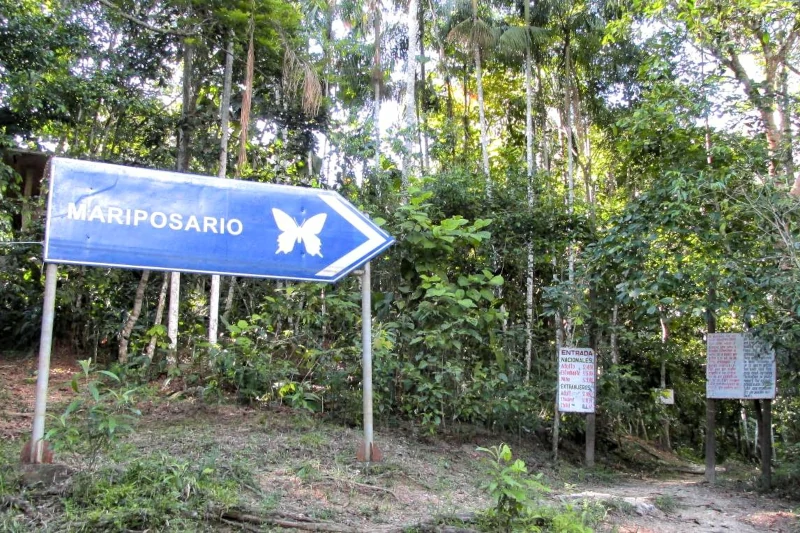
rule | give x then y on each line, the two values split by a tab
298	73
515	39
471	33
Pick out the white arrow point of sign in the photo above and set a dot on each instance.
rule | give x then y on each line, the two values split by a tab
374	239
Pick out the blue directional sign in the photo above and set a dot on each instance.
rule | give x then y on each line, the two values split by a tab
116	216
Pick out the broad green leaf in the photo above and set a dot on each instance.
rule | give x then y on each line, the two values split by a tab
109	374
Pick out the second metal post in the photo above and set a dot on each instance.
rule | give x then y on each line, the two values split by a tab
366	344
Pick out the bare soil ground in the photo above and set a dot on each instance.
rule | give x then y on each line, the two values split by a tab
18	374
303	465
695	506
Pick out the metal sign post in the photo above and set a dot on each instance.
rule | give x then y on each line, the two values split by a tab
366	342
45	348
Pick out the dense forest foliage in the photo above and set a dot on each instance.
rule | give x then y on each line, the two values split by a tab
613	174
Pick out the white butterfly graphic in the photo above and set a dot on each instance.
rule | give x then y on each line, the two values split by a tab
293	233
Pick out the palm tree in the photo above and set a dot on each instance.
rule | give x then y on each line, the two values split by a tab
478	37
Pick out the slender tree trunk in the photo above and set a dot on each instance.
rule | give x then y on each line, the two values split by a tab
570	166
587	163
763	410
786	122
466	154
229	300
763	102
173	317
482	117
184	131
243	136
614	345
125	335
411	101
162	300
531	167
568	129
378	80
246	101
559	343
182	164
224	112
422	118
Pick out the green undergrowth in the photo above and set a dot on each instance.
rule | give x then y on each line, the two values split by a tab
9	457
162	492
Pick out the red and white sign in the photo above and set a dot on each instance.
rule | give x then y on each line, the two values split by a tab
576	380
739	366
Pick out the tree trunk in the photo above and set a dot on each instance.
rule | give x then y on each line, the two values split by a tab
162	300
465	119
125	335
182	165
246	101
786	121
243	136
422	118
411	101
377	79
614	344
184	131
764	419
568	132
224	113
482	117
229	300
531	167
224	110
559	343
764	104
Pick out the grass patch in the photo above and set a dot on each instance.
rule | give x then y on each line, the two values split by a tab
620	506
666	503
314	440
577	475
9	474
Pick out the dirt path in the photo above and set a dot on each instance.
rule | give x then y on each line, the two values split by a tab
691	505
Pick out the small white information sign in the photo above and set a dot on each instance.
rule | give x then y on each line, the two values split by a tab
666	396
576	380
739	366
